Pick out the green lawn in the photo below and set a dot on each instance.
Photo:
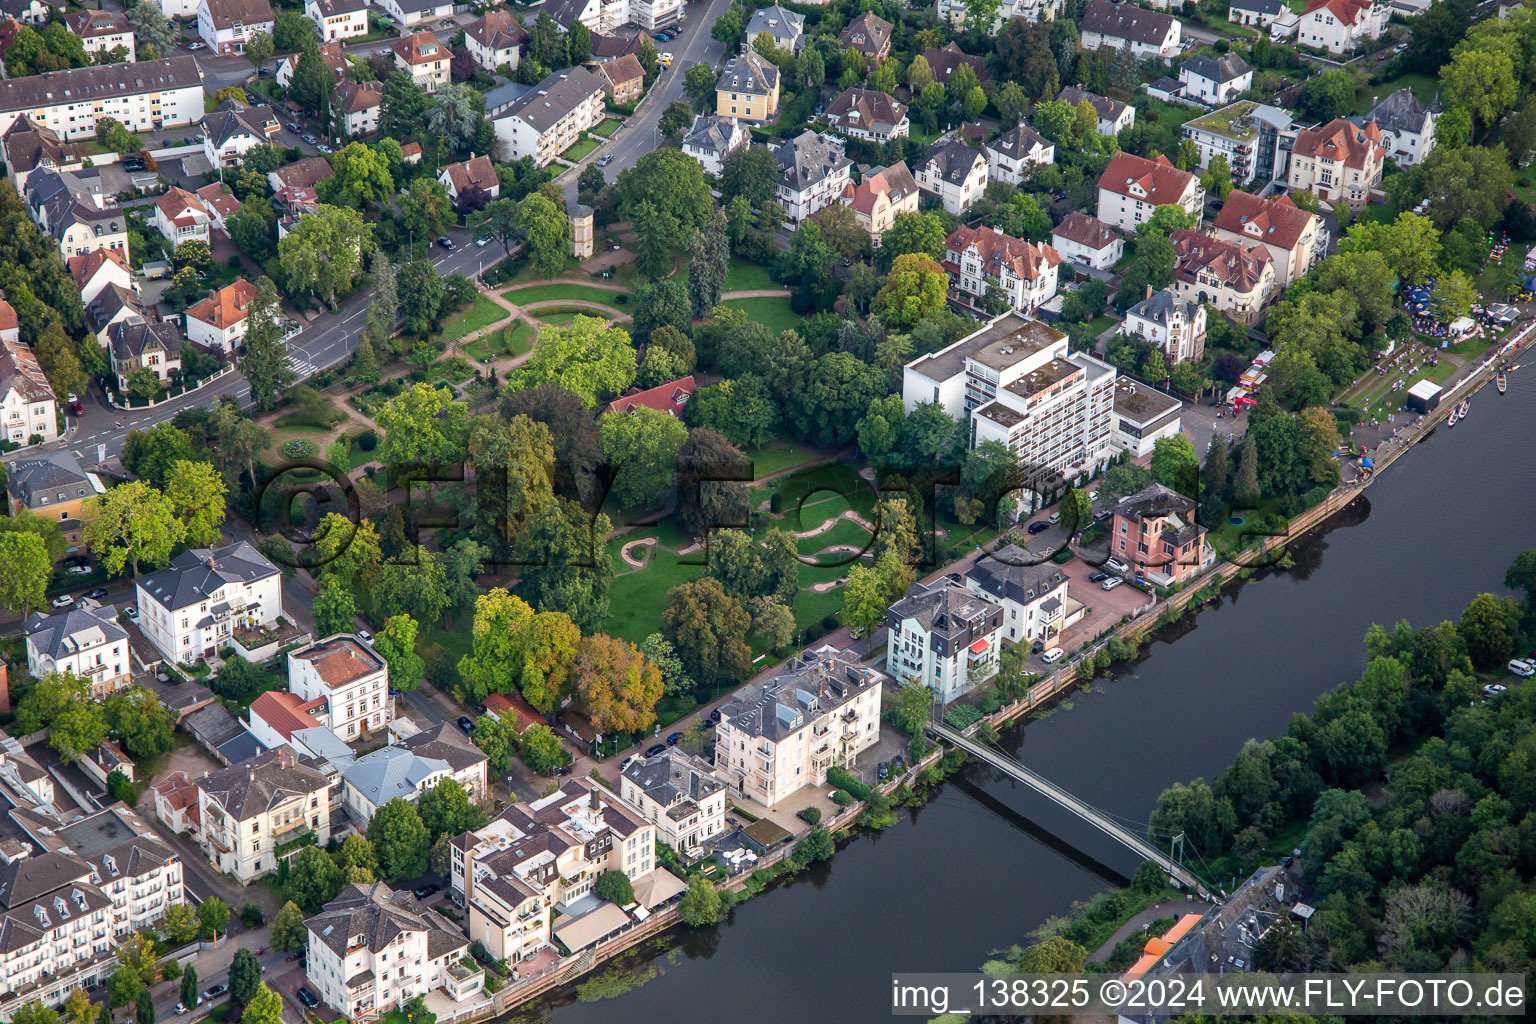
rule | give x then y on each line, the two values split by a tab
607	128
551	292
774	314
477	317
1423	86
580	150
777	456
846	532
745	277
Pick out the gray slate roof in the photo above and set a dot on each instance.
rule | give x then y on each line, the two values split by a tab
1125	21
82	84
944	608
1159	306
130	338
43	476
65	633
109	302
1228	69
777	22
674	776
1269	7
953	160
808	158
1401	112
379	914
253	787
710	133
390	772
808	687
554	98
231	119
750	72
193	575
1008	573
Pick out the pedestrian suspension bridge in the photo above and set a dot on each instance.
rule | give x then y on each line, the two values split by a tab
1110	825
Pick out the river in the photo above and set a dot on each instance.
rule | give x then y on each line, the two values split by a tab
986	861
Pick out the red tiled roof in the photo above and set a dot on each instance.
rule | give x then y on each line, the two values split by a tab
178	204
475	173
621	70
669	397
225	307
997	250
502	705
1341	140
895	181
1278	222
178	791
1162	183
8	320
1347	11
285	712
1240	267
219	199
419	48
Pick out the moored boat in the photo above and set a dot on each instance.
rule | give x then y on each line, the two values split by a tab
1501	381
1461	412
1450	421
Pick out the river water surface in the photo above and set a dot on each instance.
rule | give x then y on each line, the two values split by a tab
987	860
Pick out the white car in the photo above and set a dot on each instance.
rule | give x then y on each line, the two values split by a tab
665	60
1115	565
1112	583
1494	689
482	242
62	601
132	613
365	636
1055	518
1523	668
1052	656
78	570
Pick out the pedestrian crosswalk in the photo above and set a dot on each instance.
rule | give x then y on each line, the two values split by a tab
302	368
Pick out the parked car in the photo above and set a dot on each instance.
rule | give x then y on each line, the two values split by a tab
307	997
425	891
293	127
365	636
445	242
1039	527
1052	656
1055	517
884	771
605	160
214	991
673	738
665	60
98	594
1523	669
466	724
132	613
1494	689
898	764
309	139
1115	565
180	1008
715	716
652	751
323	148
78	570
1098	577
265	72
196	46
1037	648
62	601
1112	583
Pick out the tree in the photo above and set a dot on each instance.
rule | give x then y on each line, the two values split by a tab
131	523
614	886
264	1007
259	49
180	923
144	1008
701	904
641	447
446	810
677	116
424	426
396	644
616	685
288	932
709	255
707	627
456	114
541	750
314	879
123	987
151	28
358	863
495	738
837	390
1467	181
1175	464
1489	626
78	1008
362	177
1481	80
500	220
334	609
1327	96
566	565
324	252
546	230
141	722
263	359
673	184
915	287
25	570
911	709
400	839
196	493
244	977
1454	295
590	358
706	496
750	172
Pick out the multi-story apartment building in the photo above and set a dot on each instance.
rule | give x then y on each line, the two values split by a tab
71	893
424	58
350	676
1155	533
679	794
955	11
1133	187
227	25
1236	278
1033	594
337	20
1087	241
1143	417
954	172
1407	126
1176	326
1118	25
879	197
192	607
1215	81
1339	26
52	485
146	96
1112	114
548	120
983	260
603	17
1297	239
813	174
943	636
780	735
1255	138
28	406
713	138
866	114
372	950
1016	381
1014	155
85	642
134	344
253	814
408	769
532	861
102	32
1340	162
748	88
496	40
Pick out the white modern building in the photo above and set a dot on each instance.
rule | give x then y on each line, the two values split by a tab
496	40
786	28
945	637
1215	81
955	11
1407	126
193	606
1339	26
1143	417
180	216
1255	138
146	96
233	129
410	768
549	119
778	736
337	20
102	32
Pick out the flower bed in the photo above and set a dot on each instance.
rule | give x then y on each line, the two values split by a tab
299	448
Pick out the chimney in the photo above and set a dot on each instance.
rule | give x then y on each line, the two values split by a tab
1149	291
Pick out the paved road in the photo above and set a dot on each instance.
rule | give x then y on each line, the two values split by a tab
640	134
